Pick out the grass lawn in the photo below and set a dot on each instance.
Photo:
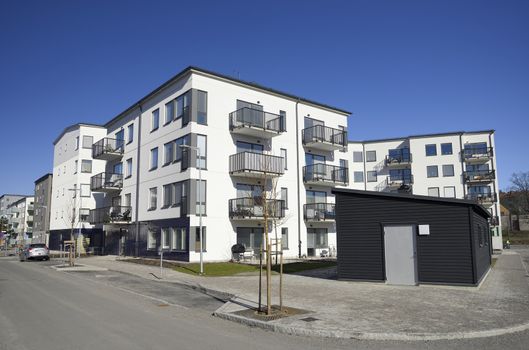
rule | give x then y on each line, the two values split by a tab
517	237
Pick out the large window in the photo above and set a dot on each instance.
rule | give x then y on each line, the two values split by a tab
174	194
86	166
371	176
432	171
317	238
179	142
151	239
118	168
130	133
155	121
169	112
202	146
201	197
316	196
166	238
167	195
358	176
202	107
168	155
358	157
446	148
154	158
448	170
431	150
88	141
128	172
284	196
179	238
250	237
371	156
249	147
153	198
182	105
284	155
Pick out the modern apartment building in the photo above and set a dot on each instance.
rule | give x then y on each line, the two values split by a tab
21	217
454	165
41	218
71	197
5	202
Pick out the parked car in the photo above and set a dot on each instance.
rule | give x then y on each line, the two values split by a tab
34	251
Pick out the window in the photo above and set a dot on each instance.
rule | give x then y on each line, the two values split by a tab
154	158
75	166
86	166
317	238
169	112
283	121
83	214
167	195
202	107
284	196
371	156
197	239
448	170
85	190
88	141
201	197
446	148
432	171
153	198
431	150
120	138
128	200
358	157
117	168
179	142
450	192
179	238
358	176
202	146
284	155
166	237
130	133
168	153
250	237
155	119
249	147
182	107
343	164
284	238
151	239
433	191
371	176
128	172
76	143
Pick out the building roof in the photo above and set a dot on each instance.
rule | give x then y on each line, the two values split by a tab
19	200
43	177
75	126
491	131
193	69
414	197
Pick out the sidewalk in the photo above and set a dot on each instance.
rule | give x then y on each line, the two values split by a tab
373	310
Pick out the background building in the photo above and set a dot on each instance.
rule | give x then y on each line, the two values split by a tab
41	218
21	217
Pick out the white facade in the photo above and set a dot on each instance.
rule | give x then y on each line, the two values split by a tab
21	218
459	165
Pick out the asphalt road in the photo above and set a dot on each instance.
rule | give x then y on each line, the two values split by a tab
41	308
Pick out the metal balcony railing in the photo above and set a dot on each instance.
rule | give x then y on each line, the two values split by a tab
108	215
477	153
106	181
254	118
399	180
107	146
319	211
320	133
482	197
326	173
398	158
249	162
254	208
479	176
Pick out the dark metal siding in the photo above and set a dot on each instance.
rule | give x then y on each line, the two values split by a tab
482	253
442	257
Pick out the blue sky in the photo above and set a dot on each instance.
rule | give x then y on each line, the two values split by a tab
402	67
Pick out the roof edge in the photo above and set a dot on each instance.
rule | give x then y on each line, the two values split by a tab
489	131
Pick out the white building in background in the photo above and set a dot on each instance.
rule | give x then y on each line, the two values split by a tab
455	165
238	136
21	218
71	198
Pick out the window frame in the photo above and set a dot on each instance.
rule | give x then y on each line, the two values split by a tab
429	147
432	167
375	178
86	161
153	198
367	157
451	166
152	165
443	153
87	137
155	116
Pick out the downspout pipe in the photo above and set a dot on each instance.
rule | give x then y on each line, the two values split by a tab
298	165
137	204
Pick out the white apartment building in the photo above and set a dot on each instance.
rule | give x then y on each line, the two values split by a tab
21	218
455	165
71	198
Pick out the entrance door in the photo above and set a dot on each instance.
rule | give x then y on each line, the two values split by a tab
400	253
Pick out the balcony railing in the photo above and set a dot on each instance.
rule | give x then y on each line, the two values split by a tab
104	182
257	119
494	221
401	158
109	215
325	173
399	180
256	164
107	148
476	154
482	198
479	176
254	208
324	137
319	212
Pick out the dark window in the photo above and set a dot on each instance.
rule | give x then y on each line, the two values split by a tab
371	156
446	148
448	170
202	107
432	171
358	176
155	119
371	176
358	157
431	150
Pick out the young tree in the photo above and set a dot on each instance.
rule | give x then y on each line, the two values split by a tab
72	219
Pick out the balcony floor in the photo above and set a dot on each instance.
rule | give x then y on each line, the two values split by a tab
254	132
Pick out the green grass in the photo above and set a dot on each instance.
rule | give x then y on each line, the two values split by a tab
217	269
517	237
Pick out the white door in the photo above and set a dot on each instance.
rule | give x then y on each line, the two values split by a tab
400	253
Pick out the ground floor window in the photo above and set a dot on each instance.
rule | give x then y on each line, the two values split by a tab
317	238
284	238
196	231
250	237
179	238
166	237
151	239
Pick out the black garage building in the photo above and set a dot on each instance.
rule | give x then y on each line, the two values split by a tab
409	239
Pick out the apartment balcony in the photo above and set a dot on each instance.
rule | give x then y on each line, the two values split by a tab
494	221
256	165
325	175
475	177
485	199
254	209
106	182
110	215
319	212
256	123
477	155
108	149
324	138
398	160
399	182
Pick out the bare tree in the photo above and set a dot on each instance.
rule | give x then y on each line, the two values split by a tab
72	219
520	191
